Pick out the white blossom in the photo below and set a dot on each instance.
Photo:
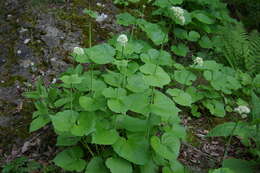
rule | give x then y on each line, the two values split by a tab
179	13
101	17
27	41
122	39
244	115
242	110
198	61
54	81
78	50
182	19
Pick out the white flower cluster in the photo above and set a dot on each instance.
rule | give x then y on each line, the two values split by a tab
78	50
179	13
102	17
242	110
122	39
198	61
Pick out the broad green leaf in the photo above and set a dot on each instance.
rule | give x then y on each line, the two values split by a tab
205	42
180	97
92	104
222	170
70	159
179	131
113	79
117	165
164	106
180	50
84	58
256	81
101	54
162	3
134	1
215	107
155	75
222	81
131	124
184	77
64	121
90	83
153	31
193	36
149	167
117	105
241	129
134	149
255	106
168	148
136	83
177	167
156	57
166	170
62	101
96	165
67	140
84	125
125	19
176	2
132	46
238	166
172	142
39	122
203	18
114	92
71	79
105	137
140	102
195	94
180	33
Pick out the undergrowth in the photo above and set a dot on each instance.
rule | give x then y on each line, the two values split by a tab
119	109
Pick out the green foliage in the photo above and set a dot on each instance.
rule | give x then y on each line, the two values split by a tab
241	50
122	113
24	165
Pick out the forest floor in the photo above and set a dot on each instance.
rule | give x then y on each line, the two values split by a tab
35	41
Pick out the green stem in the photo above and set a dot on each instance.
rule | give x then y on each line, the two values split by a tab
229	142
149	115
89	149
91	78
71	97
257	136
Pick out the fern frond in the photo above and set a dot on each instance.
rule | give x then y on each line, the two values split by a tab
253	61
235	45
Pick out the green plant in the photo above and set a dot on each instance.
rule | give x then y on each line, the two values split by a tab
241	50
121	112
21	165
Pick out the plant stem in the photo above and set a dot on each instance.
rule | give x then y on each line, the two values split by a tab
149	115
229	142
71	97
89	149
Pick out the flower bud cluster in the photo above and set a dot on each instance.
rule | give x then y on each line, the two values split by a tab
198	61
122	39
179	13
242	110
